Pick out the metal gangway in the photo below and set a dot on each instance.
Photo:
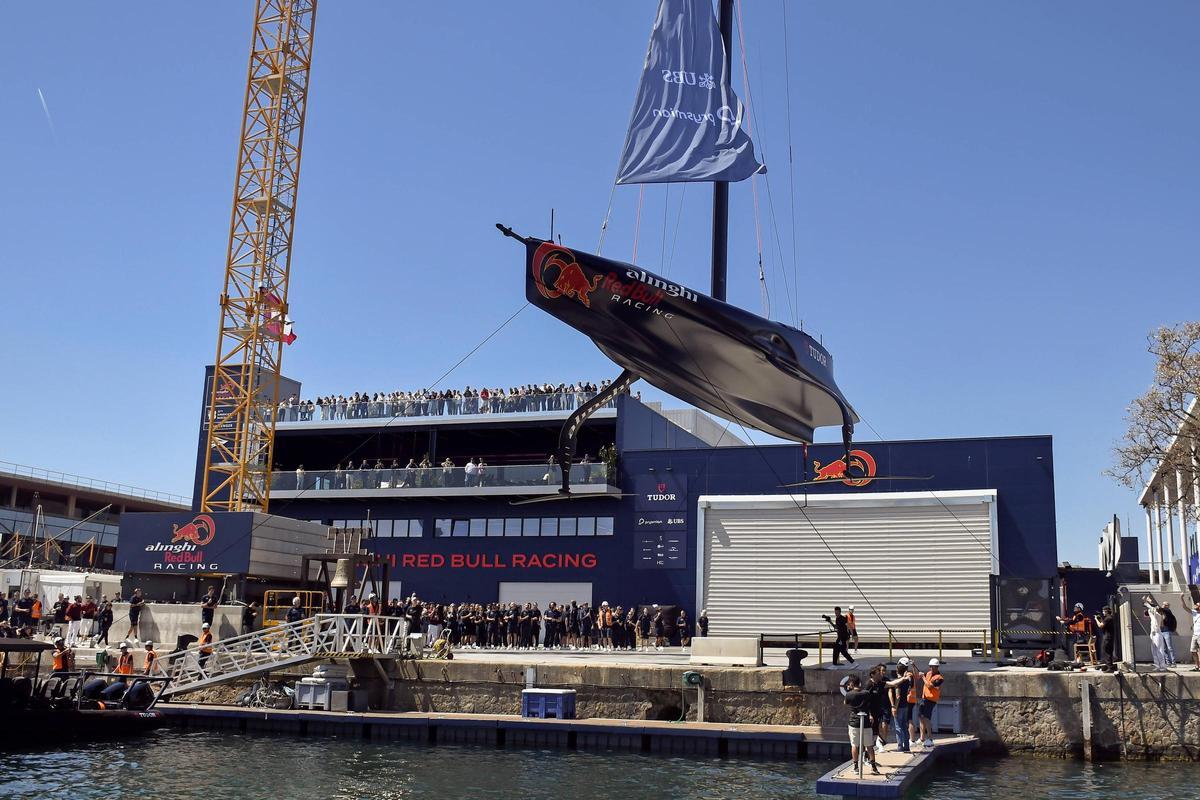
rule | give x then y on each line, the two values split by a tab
318	637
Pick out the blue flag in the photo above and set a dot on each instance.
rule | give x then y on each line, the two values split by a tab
687	122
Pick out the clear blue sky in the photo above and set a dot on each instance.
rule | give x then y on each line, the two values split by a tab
994	202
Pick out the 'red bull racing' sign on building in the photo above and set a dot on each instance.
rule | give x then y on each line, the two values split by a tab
173	543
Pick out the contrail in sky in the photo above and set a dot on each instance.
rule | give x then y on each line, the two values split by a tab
49	119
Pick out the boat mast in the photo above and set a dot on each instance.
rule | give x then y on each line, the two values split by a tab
720	230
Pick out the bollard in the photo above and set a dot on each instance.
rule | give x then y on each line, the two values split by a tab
889	646
820	648
939	645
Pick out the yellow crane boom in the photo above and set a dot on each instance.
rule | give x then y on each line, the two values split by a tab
244	392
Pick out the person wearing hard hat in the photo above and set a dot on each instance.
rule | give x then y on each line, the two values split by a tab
852	627
205	644
125	660
151	659
931	693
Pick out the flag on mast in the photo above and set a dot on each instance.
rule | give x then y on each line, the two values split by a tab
687	121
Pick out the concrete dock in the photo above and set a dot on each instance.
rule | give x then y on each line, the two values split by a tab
898	771
699	738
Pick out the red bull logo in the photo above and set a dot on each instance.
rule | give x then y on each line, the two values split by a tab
199	531
570	280
861	472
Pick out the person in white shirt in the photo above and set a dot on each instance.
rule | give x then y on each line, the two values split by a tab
1156	645
1195	646
470	470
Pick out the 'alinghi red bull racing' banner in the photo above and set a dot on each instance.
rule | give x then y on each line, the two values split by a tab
716	356
174	543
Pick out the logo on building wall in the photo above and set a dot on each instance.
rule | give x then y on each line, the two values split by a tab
569	278
861	472
199	531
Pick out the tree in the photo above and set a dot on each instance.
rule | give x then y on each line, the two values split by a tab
1166	412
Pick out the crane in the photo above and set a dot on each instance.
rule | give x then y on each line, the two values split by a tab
244	391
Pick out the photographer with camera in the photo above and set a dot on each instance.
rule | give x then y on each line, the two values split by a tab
841	629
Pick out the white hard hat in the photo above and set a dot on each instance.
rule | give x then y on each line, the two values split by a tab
904	661
206	626
933	662
604	602
1079	606
850	607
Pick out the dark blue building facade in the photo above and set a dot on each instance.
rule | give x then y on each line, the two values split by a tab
638	544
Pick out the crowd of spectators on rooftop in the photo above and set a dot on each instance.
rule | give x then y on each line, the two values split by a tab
531	397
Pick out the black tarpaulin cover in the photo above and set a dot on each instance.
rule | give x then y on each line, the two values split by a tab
716	356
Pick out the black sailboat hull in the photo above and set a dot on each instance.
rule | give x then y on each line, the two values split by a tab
716	356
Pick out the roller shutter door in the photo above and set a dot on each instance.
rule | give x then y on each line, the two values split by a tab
922	564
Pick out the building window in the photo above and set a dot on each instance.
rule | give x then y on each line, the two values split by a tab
529	526
478	527
604	526
587	526
566	526
512	526
495	527
549	526
441	528
462	527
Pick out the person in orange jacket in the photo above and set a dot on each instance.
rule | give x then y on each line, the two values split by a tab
125	661
151	659
931	693
205	643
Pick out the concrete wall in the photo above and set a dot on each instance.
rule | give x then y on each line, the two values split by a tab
163	623
1135	716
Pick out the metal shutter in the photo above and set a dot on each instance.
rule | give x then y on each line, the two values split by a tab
922	564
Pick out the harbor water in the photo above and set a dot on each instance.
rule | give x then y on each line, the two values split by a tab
224	766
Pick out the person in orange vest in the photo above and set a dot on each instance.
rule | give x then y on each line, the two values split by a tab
205	643
125	661
62	657
35	613
151	659
931	693
852	624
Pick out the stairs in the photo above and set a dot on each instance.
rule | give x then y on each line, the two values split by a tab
252	654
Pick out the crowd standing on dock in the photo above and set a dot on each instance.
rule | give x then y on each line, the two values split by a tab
525	626
887	702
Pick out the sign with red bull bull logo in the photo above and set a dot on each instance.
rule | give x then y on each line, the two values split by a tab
861	472
174	543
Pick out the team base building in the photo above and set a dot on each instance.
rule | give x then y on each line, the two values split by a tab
568	565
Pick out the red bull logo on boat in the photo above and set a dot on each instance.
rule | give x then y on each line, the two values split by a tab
570	280
861	472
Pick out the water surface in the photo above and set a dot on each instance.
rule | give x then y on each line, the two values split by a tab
229	766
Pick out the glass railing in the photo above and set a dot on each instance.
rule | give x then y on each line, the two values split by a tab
419	478
428	406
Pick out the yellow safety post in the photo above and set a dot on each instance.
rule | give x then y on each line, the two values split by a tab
889	645
820	648
983	651
939	645
996	643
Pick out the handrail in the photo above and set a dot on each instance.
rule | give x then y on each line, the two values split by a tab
322	635
435	477
79	481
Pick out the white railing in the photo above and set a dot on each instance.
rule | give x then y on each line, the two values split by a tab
321	636
67	479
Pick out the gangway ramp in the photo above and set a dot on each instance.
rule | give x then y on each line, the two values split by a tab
321	636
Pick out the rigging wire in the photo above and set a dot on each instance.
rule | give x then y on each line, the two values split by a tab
637	223
787	83
675	236
662	255
751	104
